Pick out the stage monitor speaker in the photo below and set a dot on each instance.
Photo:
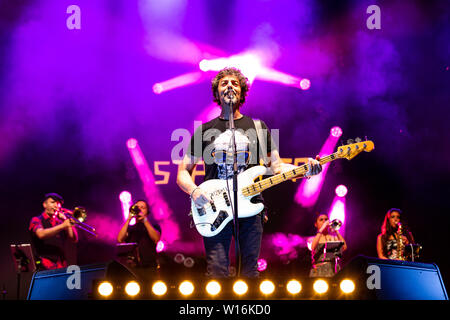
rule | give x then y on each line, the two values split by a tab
379	279
52	284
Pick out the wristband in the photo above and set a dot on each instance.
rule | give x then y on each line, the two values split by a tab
194	191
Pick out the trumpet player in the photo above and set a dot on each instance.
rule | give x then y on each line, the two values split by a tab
145	234
325	263
50	232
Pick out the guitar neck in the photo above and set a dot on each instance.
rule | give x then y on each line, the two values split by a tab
264	184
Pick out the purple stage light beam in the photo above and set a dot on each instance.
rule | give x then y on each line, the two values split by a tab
249	63
158	206
178	82
337	209
309	190
126	200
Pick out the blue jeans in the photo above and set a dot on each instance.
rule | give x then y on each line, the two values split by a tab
217	248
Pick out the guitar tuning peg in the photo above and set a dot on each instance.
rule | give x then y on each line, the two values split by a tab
350	141
358	140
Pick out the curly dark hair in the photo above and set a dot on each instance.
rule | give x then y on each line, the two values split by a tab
243	81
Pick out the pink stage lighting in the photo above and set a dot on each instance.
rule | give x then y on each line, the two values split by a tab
248	63
158	206
336	132
309	190
341	190
157	88
131	143
160	246
125	198
305	84
262	265
177	82
337	210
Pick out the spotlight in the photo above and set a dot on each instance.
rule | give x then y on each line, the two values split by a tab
179	258
293	287
267	287
305	84
125	196
341	190
262	265
336	132
240	287
213	288
189	262
159	288
186	288
160	246
204	65
320	286
132	143
158	88
132	288
105	289
347	286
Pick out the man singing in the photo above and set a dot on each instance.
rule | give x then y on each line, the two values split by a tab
212	142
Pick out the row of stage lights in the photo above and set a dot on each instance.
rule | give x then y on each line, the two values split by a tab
213	288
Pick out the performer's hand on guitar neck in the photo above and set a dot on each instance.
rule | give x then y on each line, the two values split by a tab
199	197
314	167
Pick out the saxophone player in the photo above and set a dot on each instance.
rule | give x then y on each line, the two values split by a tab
394	237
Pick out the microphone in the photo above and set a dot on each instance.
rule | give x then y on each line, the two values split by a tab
230	94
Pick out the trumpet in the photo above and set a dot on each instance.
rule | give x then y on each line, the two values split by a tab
134	210
335	224
78	215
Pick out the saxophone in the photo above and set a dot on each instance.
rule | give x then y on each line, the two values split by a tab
400	245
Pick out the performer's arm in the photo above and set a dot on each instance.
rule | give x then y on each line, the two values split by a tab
42	233
275	162
380	248
123	233
152	232
184	178
187	184
316	239
71	229
72	233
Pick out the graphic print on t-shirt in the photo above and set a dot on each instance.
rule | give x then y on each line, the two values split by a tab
223	155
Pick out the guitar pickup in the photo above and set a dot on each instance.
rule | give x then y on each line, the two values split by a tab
213	207
201	211
227	201
220	217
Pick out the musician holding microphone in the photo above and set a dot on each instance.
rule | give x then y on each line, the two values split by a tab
50	232
213	142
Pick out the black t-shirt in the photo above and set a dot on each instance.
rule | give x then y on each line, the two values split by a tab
146	246
212	142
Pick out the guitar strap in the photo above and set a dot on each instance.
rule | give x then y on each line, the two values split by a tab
262	142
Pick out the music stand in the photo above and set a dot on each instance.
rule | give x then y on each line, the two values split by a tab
334	246
23	261
128	253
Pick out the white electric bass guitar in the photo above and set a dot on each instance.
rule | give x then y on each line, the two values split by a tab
214	216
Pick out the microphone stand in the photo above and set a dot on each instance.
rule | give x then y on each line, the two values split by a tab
235	190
